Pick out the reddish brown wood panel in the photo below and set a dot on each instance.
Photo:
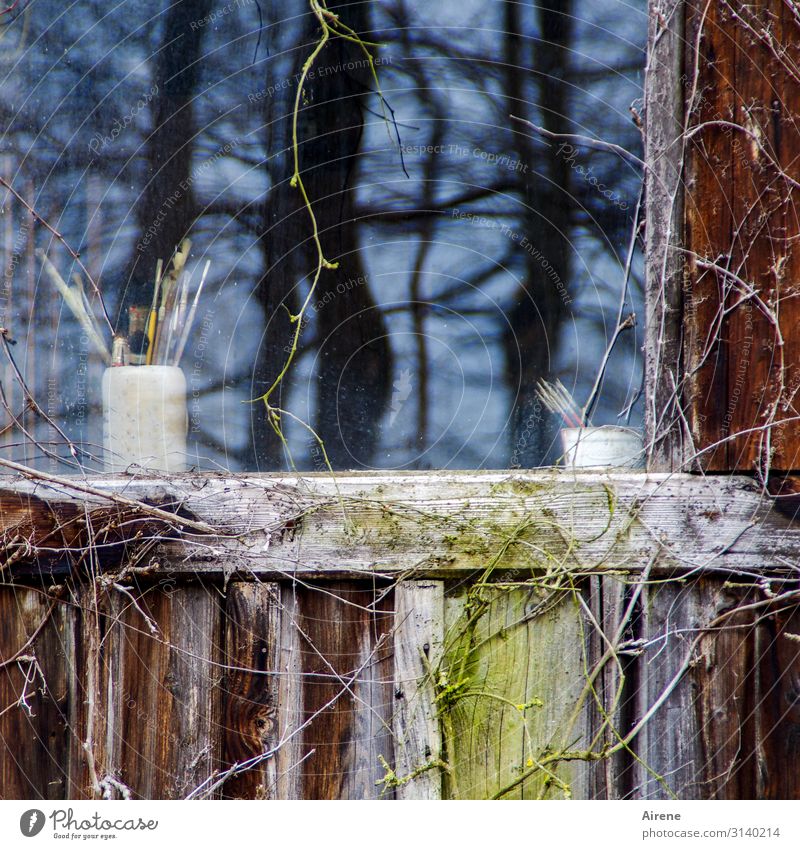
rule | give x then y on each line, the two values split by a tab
308	693
169	693
252	689
776	706
35	664
146	696
729	727
709	90
156	692
347	689
785	438
742	236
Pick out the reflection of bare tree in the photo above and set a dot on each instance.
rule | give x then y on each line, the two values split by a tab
353	362
539	308
540	75
165	210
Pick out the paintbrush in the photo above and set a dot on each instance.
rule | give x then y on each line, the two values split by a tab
189	321
556	398
173	321
169	291
76	302
153	318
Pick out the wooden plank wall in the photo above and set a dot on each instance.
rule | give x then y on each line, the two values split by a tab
157	692
723	108
160	691
346	690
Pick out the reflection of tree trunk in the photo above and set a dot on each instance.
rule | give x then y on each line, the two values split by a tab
427	232
284	229
355	362
533	338
165	210
354	367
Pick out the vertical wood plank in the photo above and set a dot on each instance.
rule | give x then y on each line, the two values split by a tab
758	250
667	745
696	742
513	699
347	695
663	214
372	711
291	683
731	725
741	353
609	709
418	642
34	694
723	682
194	680
775	711
83	646
785	440
157	695
251	695
709	84
137	704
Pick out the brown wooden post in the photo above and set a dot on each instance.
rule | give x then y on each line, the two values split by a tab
723	360
722	151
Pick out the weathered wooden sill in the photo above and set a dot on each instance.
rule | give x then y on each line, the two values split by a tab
431	524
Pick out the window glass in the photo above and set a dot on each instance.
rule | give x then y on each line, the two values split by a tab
475	255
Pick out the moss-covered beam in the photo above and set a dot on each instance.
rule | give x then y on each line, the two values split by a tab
429	524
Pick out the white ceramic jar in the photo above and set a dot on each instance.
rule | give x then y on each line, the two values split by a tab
608	445
144	418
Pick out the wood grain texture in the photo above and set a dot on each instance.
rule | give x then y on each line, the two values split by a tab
708	89
441	525
668	745
347	690
515	658
34	695
251	691
610	708
52	535
741	307
788	156
719	686
155	704
759	247
418	642
728	727
775	711
159	684
663	177
193	681
83	647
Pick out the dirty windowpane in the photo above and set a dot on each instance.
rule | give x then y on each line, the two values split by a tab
473	254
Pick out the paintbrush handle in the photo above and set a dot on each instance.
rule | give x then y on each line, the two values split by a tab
187	327
75	305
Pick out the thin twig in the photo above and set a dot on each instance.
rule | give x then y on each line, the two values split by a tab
586	141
